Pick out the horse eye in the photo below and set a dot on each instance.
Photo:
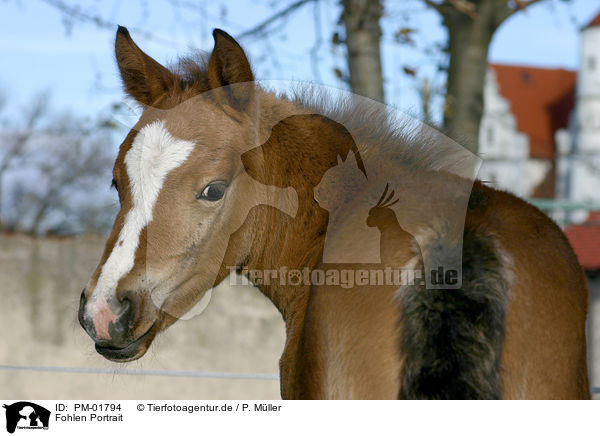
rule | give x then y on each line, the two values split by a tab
213	191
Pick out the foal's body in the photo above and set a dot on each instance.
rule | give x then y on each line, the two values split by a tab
515	328
344	343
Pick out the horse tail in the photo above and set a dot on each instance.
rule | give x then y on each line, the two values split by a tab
452	338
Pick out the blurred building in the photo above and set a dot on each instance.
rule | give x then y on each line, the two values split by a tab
540	132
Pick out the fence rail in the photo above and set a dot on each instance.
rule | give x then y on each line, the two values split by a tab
160	373
551	204
148	372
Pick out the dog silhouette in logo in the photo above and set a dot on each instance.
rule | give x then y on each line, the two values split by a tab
31	414
280	163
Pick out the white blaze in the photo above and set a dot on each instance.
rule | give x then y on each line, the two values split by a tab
153	154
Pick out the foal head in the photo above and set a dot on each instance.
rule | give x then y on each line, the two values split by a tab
209	146
178	179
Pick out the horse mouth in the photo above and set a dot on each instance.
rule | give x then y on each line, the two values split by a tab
133	351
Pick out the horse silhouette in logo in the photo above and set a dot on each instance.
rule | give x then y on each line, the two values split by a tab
27	415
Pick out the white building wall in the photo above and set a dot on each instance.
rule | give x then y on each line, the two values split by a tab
578	162
585	178
505	150
589	78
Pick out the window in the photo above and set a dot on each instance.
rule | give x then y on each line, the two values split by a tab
591	63
489	135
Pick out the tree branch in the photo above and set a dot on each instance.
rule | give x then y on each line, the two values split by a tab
521	5
447	7
76	13
314	51
261	28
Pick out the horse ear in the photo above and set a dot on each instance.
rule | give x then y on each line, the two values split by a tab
143	78
229	65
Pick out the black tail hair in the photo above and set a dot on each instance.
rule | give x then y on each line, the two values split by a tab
452	339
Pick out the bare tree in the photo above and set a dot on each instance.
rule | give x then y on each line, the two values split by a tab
361	19
75	163
425	92
55	166
14	140
471	24
363	40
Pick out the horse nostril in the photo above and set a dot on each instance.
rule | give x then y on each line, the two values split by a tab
81	314
82	301
122	324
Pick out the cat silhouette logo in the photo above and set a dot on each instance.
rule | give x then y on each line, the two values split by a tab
26	415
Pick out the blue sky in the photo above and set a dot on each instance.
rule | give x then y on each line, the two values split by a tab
78	67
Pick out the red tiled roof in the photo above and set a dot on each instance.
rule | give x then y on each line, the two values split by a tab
541	100
594	22
585	239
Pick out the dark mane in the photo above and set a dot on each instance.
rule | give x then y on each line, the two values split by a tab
191	71
190	78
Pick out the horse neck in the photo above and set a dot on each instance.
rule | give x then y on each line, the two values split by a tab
282	243
279	241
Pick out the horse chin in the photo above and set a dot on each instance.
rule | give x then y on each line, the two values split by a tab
131	352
